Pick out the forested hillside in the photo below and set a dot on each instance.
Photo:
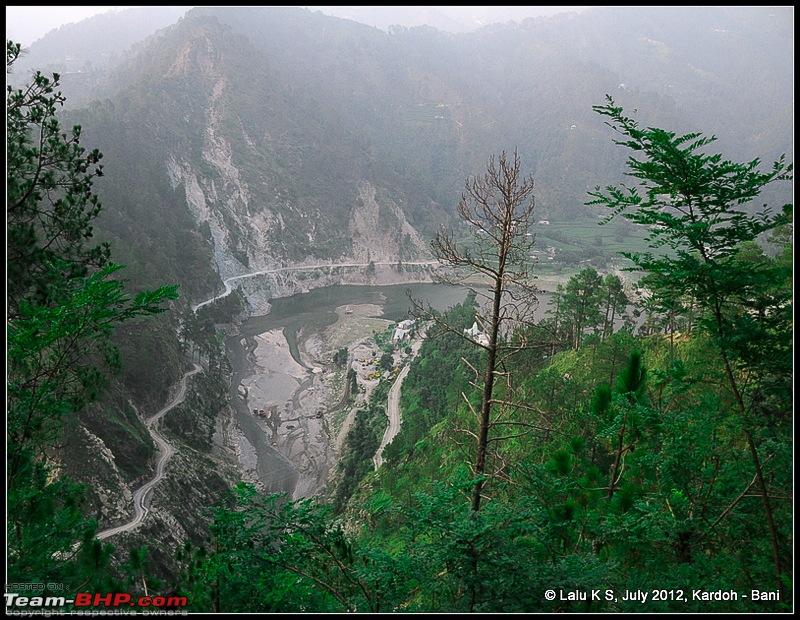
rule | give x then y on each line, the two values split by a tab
628	469
283	131
628	450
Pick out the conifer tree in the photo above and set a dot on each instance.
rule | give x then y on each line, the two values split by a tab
695	206
497	209
65	300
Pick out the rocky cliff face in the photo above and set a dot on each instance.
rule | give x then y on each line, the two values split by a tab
295	138
241	180
245	234
379	229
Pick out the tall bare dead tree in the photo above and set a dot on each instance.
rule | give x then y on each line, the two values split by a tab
497	209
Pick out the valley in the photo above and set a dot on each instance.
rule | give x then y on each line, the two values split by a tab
283	372
217	385
140	495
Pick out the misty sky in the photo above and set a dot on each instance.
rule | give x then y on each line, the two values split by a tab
26	24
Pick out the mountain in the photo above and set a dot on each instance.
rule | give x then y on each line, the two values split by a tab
96	42
297	136
455	19
243	139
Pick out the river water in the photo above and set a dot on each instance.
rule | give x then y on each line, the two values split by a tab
305	314
277	459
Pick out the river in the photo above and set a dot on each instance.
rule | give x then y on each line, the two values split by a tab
290	445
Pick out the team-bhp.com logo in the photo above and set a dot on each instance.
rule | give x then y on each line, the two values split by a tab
88	599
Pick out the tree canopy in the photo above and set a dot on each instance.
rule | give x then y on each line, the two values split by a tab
65	299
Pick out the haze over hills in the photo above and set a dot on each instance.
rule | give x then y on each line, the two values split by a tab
91	42
94	42
454	19
29	25
242	140
296	128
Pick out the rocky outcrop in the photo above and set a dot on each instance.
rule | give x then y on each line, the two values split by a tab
379	229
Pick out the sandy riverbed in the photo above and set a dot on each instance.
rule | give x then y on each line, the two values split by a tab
278	374
294	402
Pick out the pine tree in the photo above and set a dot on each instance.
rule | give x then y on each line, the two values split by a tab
497	209
64	302
694	203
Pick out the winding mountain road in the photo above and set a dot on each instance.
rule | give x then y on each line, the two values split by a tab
166	450
229	288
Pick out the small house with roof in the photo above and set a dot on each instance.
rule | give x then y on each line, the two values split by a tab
477	334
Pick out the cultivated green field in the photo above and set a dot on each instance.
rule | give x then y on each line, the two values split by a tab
581	243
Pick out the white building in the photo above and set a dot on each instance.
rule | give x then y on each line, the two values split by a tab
477	334
401	334
403	330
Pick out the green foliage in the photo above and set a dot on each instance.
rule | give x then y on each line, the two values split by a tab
589	301
271	554
467	561
58	380
581	304
386	361
631	380
65	302
431	554
561	463
135	570
643	472
340	357
620	478
50	203
695	204
362	442
433	387
680	517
